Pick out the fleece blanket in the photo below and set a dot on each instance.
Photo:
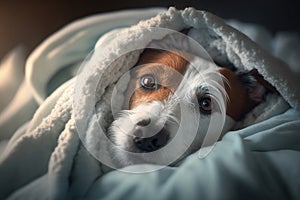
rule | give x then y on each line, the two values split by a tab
54	157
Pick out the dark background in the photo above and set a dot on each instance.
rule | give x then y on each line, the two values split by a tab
30	22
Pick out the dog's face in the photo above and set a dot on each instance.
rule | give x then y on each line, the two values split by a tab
173	98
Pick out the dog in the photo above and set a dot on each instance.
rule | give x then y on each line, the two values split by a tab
169	92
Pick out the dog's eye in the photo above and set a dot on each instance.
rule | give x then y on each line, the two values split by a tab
204	100
205	105
148	82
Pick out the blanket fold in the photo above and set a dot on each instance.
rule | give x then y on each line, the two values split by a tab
59	151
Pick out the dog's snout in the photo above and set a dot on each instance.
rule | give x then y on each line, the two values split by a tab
152	143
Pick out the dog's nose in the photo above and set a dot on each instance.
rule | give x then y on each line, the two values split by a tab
152	143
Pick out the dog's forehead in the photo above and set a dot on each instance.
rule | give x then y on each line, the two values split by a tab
161	61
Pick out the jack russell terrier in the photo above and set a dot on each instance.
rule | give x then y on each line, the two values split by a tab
163	83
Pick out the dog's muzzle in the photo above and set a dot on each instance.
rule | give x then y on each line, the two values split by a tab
148	143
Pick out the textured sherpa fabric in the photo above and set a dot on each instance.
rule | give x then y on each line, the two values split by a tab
225	45
48	152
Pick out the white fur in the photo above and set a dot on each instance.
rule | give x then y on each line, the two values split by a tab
179	114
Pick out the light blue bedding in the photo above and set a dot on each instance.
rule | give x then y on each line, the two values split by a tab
259	162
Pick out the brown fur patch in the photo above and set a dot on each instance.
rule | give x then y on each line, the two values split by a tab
167	67
239	101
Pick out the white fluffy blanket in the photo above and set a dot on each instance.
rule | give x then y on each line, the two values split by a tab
47	151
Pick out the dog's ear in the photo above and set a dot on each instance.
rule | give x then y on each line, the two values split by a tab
257	87
245	90
260	79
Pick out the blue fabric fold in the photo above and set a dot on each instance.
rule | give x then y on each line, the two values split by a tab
259	162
